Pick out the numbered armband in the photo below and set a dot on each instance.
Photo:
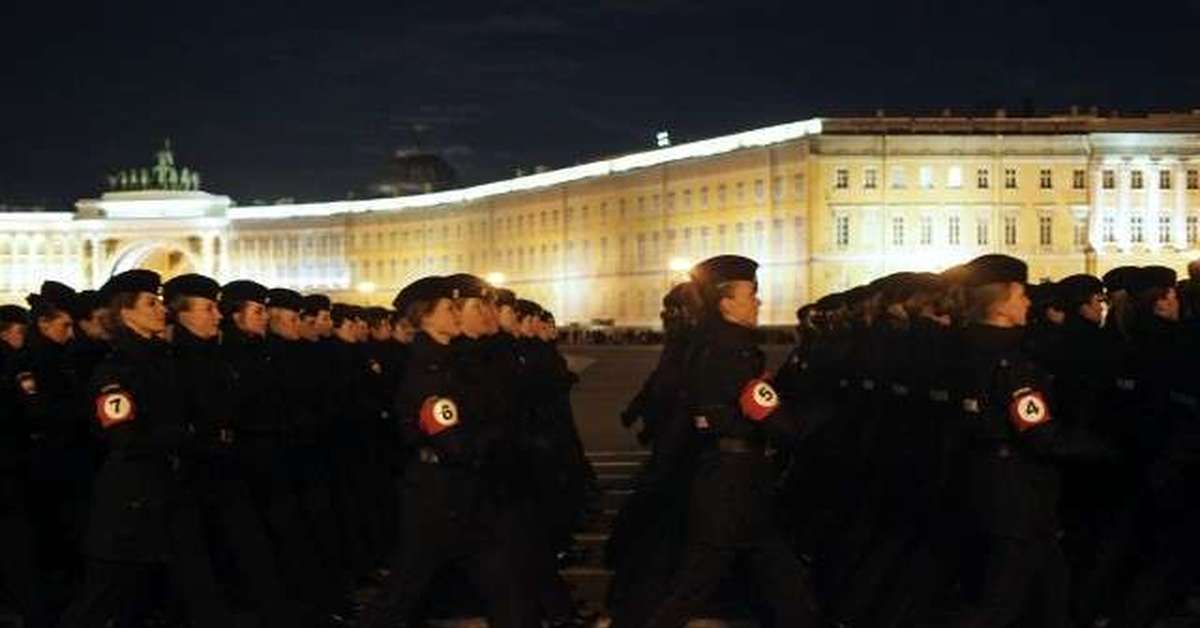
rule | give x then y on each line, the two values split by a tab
758	399
1028	409
114	406
27	383
438	414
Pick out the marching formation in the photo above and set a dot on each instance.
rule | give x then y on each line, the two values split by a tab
183	453
952	449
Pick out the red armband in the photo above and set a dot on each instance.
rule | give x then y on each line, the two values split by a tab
438	414
114	406
758	399
1028	409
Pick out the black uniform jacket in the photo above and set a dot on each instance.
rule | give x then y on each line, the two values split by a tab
139	410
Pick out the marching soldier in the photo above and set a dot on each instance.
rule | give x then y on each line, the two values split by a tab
734	411
207	384
141	516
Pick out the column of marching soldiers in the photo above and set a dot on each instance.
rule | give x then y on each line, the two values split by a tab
952	449
960	448
186	453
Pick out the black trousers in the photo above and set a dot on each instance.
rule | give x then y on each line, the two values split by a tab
777	572
440	529
112	588
1025	583
228	511
21	582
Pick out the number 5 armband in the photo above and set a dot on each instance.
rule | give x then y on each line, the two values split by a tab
438	414
758	399
114	406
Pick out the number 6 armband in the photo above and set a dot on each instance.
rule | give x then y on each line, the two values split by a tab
438	414
758	399
115	406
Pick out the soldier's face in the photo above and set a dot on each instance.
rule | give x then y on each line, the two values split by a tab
1168	306
308	328
57	329
381	331
13	336
323	324
92	327
507	318
1093	309
740	303
147	316
1016	307
201	318
473	318
285	323
361	329
402	331
251	318
442	322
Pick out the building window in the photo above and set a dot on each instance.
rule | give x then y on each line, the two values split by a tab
1164	179
869	179
798	185
954	177
983	178
926	230
898	180
687	200
704	196
983	234
1109	229
760	191
1164	228
926	174
777	189
1010	178
1010	230
1045	179
1137	234
842	230
953	233
1135	179
1193	179
1045	230
741	192
841	179
721	195
898	231
1079	179
1193	229
1108	179
1080	233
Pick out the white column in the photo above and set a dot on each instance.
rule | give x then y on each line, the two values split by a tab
1179	208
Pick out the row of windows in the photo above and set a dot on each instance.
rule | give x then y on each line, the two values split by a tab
1136	230
983	178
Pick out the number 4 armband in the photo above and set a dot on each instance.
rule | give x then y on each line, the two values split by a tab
114	406
1028	409
438	414
758	399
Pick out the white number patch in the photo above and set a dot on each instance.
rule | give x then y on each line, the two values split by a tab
764	395
445	412
114	408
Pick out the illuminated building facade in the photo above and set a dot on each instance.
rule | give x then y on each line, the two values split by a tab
823	204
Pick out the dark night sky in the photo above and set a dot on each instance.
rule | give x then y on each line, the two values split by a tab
272	101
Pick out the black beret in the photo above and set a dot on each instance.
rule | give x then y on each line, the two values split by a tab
285	298
243	290
1043	295
955	275
831	302
130	282
1150	277
314	303
53	297
857	295
677	296
546	316
525	307
1075	290
340	312
1119	278
375	315
721	269
191	285
803	311
896	287
928	282
86	302
504	296
468	286
429	288
10	314
995	268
